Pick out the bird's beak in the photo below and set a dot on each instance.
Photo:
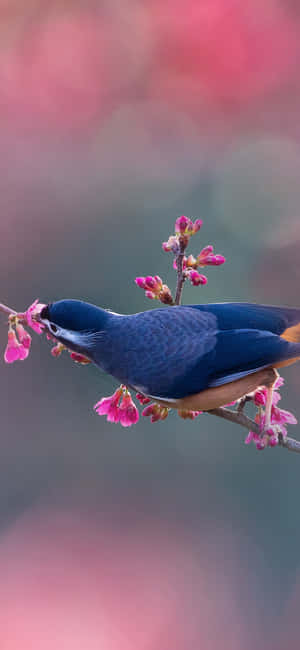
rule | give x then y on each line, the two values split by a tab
68	337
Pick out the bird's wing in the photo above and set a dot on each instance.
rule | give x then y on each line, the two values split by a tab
179	351
284	321
249	337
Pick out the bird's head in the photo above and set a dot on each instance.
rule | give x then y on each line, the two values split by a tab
74	322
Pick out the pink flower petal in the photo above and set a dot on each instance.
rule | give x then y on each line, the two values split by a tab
23	352
278	383
79	358
11	354
33	310
13	351
24	337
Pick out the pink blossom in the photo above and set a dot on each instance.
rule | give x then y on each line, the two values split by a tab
155	412
23	336
142	399
273	441
165	295
260	445
204	254
279	418
279	382
155	289
188	415
109	406
196	278
183	225
260	396
215	260
57	350
150	283
249	437
128	413
14	350
32	311
153	283
150	294
190	262
140	282
197	225
280	415
79	358
172	245
207	258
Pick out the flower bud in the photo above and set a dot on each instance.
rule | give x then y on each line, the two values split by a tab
182	224
197	225
165	295
142	399
191	262
260	445
214	260
57	350
196	278
188	415
172	245
150	294
260	397
79	358
140	282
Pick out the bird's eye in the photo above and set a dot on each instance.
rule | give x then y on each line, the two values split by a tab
45	312
53	328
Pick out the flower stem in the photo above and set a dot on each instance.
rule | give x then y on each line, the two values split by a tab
180	273
7	310
238	417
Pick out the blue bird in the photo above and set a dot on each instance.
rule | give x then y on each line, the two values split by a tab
196	357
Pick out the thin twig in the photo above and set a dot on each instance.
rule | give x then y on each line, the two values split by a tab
236	417
244	421
7	310
180	273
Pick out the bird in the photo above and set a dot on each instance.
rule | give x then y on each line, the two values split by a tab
194	357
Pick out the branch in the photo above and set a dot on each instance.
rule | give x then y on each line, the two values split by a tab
238	417
7	310
180	273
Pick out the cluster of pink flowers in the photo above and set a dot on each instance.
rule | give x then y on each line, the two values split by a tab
190	264
158	412
19	340
184	229
206	257
185	226
155	289
119	407
279	419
